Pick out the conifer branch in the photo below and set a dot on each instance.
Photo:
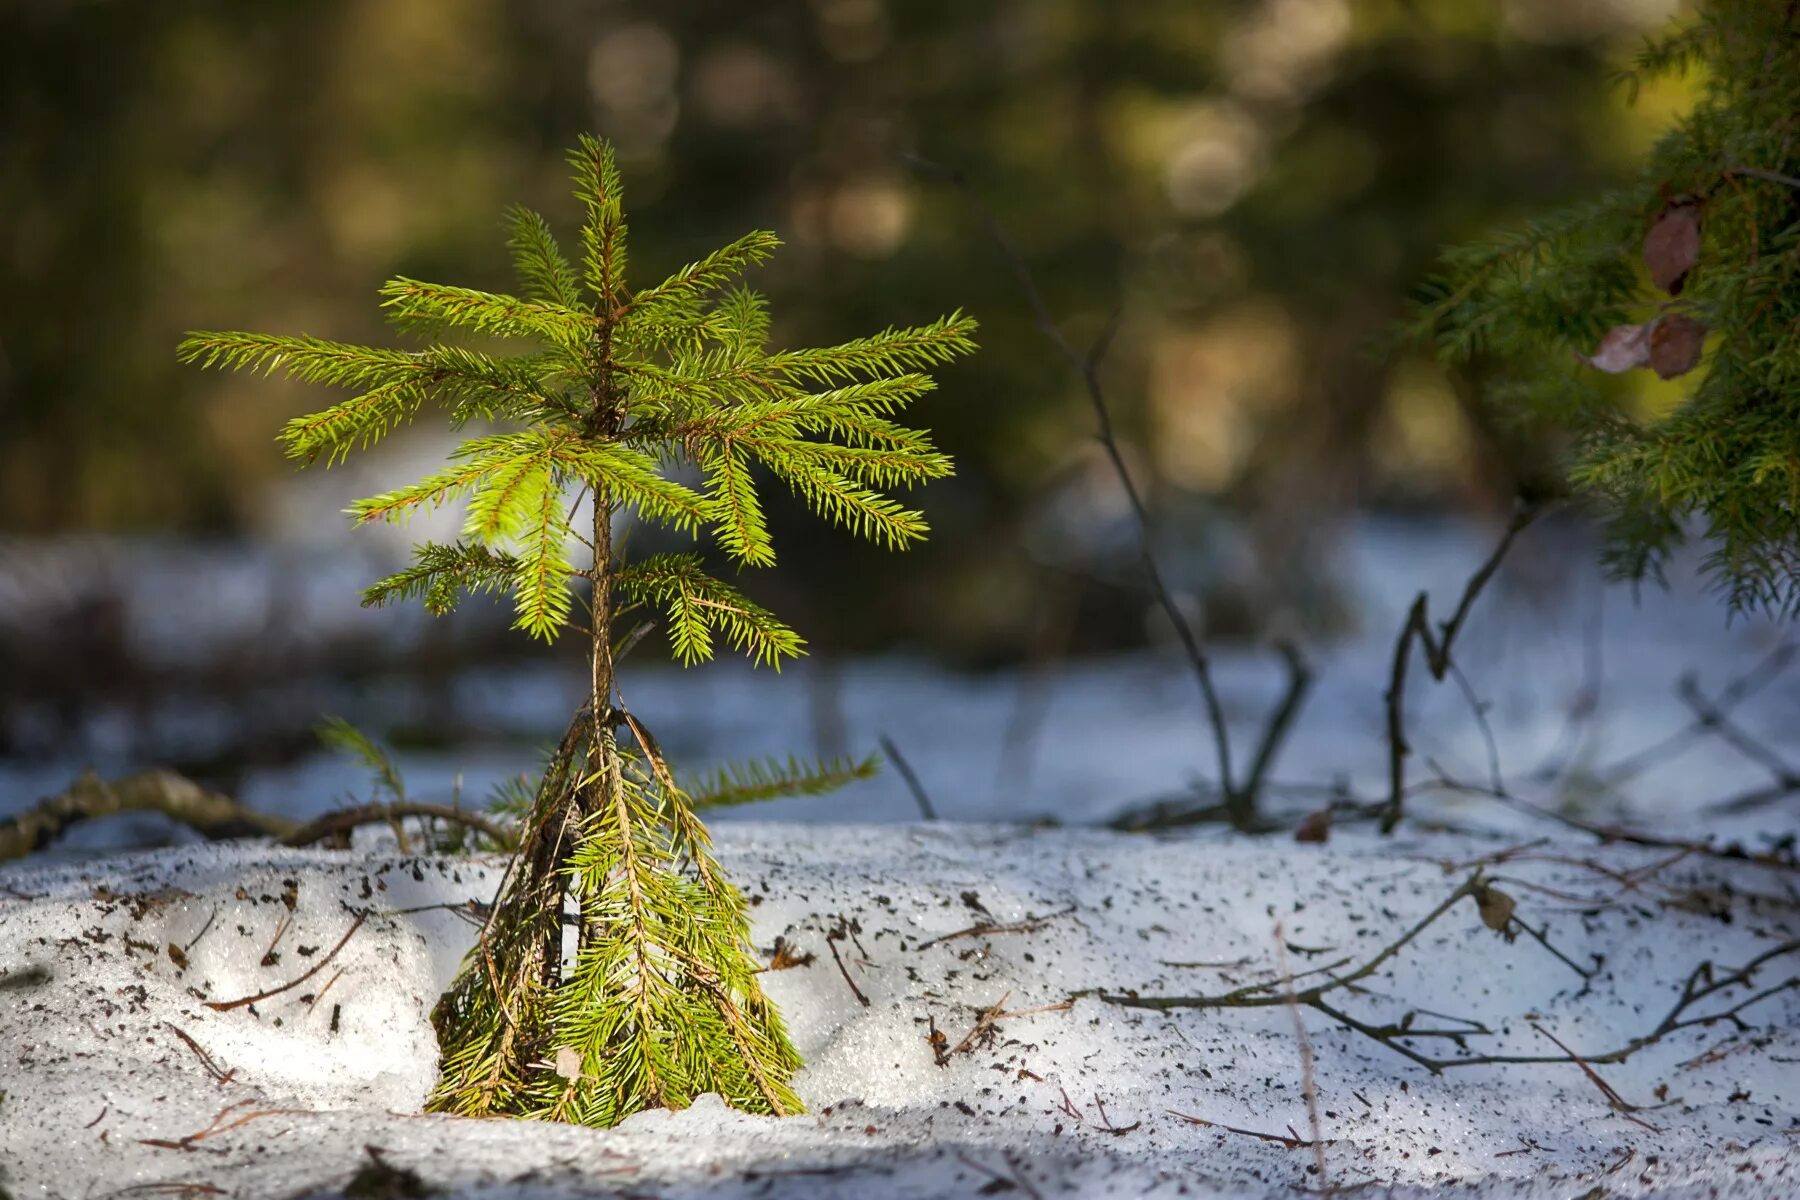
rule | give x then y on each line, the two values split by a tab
600	191
434	307
440	573
772	779
697	605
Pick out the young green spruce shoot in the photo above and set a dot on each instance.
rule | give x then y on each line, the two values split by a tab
659	1001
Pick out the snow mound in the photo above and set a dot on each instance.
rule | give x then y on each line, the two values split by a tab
125	1063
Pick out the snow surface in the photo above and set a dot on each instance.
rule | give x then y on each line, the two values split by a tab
101	1087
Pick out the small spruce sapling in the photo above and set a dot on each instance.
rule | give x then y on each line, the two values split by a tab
659	1000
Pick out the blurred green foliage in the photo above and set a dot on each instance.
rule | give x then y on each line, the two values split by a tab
1255	184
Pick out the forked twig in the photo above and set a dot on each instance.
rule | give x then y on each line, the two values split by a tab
1436	646
984	928
228	1005
1705	981
837	934
1240	800
1288	1141
208	1063
220	1125
1615	1101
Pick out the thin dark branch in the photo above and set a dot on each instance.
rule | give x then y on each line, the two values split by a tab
1734	693
1239	802
1708	715
832	938
1286	1141
228	1005
1437	646
1028	925
344	820
919	795
1293	697
1265	995
1703	982
1760	173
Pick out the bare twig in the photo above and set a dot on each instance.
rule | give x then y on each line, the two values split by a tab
1240	801
919	795
175	796
984	928
1606	833
1734	693
1281	719
1309	1082
228	1005
986	1025
211	1066
1288	1141
1784	779
837	934
344	820
1615	1101
221	1125
1704	982
1437	646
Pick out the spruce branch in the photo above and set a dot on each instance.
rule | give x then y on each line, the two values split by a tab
698	605
434	307
440	574
772	779
538	260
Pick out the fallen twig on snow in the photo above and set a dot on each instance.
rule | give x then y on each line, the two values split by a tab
1704	981
228	1005
341	822
1615	1101
984	928
837	934
221	1125
986	1026
1290	1140
211	1065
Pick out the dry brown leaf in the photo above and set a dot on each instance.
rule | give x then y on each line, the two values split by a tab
1675	345
1623	347
1315	828
1672	246
1496	908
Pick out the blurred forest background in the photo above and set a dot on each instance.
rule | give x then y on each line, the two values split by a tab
1254	185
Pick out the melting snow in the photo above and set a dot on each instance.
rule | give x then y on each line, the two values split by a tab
117	1075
